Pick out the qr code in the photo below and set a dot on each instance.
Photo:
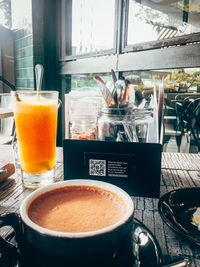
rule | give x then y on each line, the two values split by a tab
97	167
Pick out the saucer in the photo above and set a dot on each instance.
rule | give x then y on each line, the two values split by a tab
140	248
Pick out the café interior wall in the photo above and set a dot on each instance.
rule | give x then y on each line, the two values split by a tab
28	42
23	43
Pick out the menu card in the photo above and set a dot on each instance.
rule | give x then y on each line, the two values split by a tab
135	167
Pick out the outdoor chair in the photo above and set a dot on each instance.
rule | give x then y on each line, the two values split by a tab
170	128
188	113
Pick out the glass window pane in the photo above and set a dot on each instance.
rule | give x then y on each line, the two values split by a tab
177	81
86	88
151	20
182	80
86	85
92	25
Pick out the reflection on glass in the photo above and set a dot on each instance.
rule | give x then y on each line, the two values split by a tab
86	82
92	25
184	80
151	20
85	87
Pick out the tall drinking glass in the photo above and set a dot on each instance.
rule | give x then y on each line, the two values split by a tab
36	125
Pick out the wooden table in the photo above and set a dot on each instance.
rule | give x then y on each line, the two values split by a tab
178	170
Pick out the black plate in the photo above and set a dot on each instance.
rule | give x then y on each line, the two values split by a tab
177	208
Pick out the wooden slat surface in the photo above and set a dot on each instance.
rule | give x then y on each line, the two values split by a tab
181	161
176	173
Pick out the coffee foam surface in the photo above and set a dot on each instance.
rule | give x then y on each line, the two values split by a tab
77	209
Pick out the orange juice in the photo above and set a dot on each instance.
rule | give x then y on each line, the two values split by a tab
36	124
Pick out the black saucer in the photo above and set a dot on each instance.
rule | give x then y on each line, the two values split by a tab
138	249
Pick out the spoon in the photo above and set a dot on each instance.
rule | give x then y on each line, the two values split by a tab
120	87
39	70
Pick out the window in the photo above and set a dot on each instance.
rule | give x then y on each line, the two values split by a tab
5	13
155	20
135	38
92	26
182	80
88	27
142	40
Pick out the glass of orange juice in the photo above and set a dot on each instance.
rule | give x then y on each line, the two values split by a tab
35	115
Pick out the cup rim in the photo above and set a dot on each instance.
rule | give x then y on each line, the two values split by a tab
103	185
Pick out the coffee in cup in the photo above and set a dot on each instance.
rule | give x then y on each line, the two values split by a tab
77	209
72	219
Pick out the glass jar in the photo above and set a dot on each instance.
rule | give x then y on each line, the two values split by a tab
83	128
143	118
83	120
116	124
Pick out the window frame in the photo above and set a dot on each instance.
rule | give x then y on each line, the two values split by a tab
178	52
180	40
66	8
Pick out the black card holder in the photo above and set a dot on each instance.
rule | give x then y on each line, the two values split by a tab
135	167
